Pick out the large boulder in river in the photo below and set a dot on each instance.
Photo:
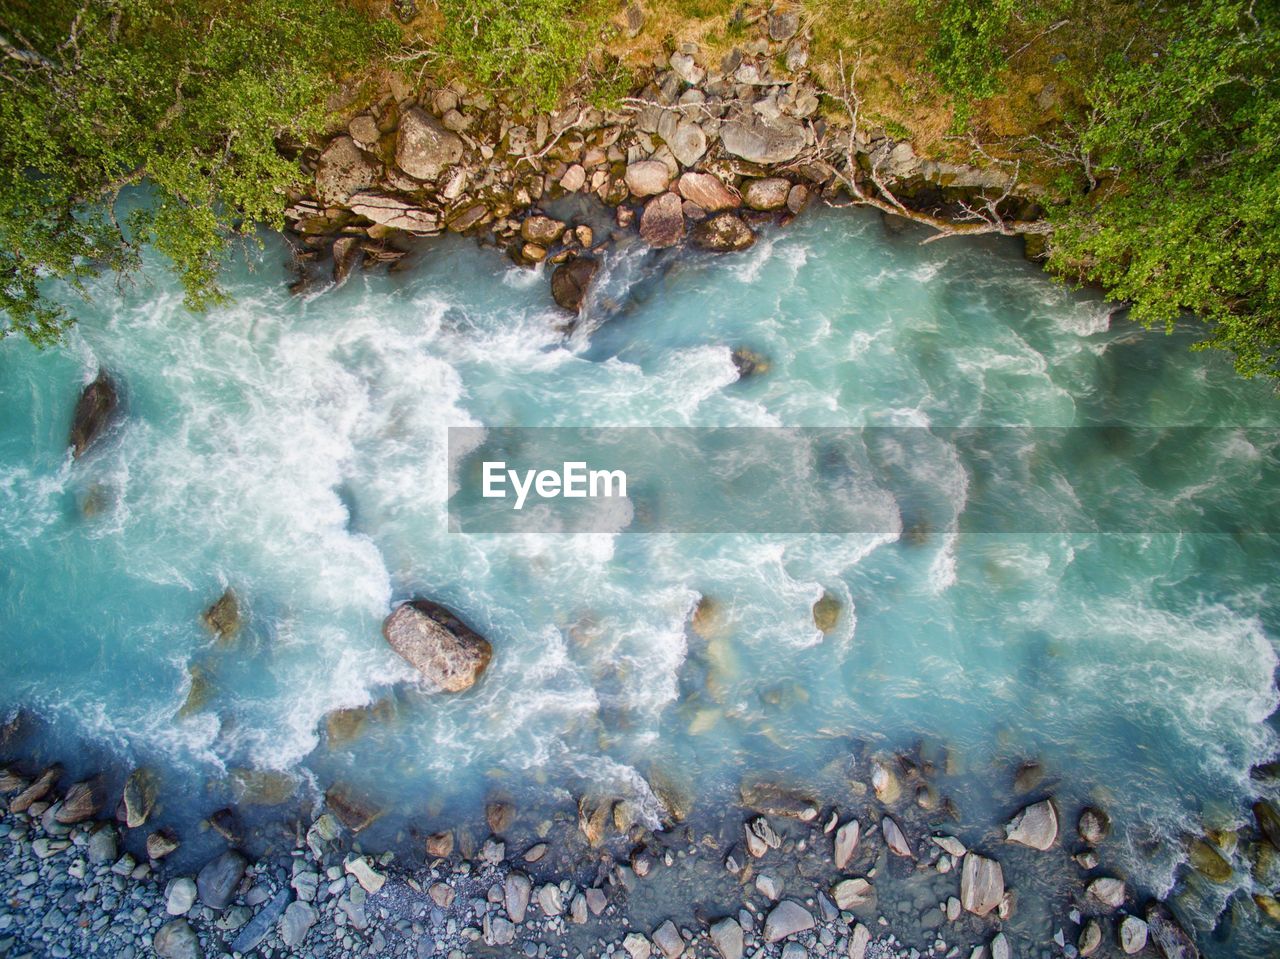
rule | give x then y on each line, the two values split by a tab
981	884
438	644
768	193
708	191
424	148
570	281
723	233
764	141
1035	826
1170	938
662	223
93	413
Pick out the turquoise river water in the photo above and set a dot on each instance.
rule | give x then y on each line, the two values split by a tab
294	448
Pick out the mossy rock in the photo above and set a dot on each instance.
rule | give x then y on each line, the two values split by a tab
826	613
223	617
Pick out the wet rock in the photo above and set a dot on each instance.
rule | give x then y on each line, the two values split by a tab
296	922
769	887
499	816
761	837
1036	826
424	148
764	141
1029	775
708	192
851	893
688	143
749	363
593	818
1268	819
662	223
438	644
440	845
342	170
1106	892
637	946
667	938
647	178
571	280
797	198
826	613
217	880
257	928
346	257
498	931
858	941
981	884
1090	938
223	617
516	889
37	791
786	919
1170	938
723	233
93	413
846	842
1208	861
895	839
225	823
1132	935
535	852
79	804
950	845
885	783
180	896
726	936
542	230
1093	825
177	940
774	800
104	845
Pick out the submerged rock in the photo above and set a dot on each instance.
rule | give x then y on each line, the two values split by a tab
80	803
93	413
826	613
1268	819
352	810
1132	935
1208	861
1170	938
1106	891
885	783
1093	825
846	842
571	280
981	884
1090	938
217	880
439	645
37	791
177	940
895	839
1036	826
786	919
223	617
161	843
775	800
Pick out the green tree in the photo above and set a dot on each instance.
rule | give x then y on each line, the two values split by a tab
967	52
196	97
1185	211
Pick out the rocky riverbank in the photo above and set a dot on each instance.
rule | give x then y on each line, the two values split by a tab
782	876
703	153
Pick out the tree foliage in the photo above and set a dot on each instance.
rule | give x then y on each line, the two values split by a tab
1186	133
967	51
194	96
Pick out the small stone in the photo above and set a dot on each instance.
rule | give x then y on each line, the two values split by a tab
596	900
306	885
440	845
1093	825
786	919
726	936
846	842
637	946
667	938
180	896
769	887
441	894
851	893
768	193
895	839
296	922
1090	938
575	179
177	940
1107	892
535	852
217	880
1000	947
858	941
550	900
981	884
103	845
370	880
1133	935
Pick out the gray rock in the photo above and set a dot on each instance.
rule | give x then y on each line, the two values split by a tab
257	928
896	839
180	896
687	69
596	900
363	129
1132	935
94	410
981	884
296	922
578	909
637	946
786	919
768	193
647	178
757	140
859	939
498	931
342	170
662	223
1106	891
516	889
1090	938
394	212
688	143
1170	938
78	804
306	885
783	25
1093	825
438	644
1036	826
793	950
769	887
1000	947
761	837
851	893
726	936
667	938
217	880
103	845
424	148
177	940
550	900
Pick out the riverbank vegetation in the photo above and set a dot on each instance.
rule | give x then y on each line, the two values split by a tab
1152	133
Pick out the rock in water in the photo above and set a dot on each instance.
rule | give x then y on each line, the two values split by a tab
223	617
1208	861
438	644
981	884
826	613
1133	935
1106	891
1093	825
1000	946
724	233
1035	826
424	148
93	413
726	936
662	223
896	839
177	940
571	280
708	191
346	255
769	193
773	799
1170	938
79	804
1268	821
667	938
786	919
218	879
1090	938
847	842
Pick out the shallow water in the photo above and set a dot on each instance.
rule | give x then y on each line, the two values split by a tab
294	449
